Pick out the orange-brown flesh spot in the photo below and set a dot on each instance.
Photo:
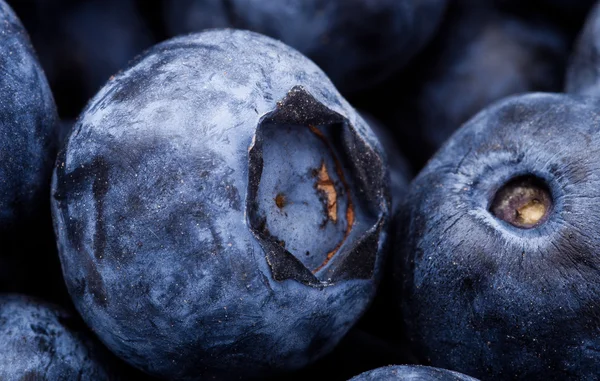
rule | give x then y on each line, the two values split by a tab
325	185
280	200
350	208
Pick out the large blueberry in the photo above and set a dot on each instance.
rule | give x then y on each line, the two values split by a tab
582	76
479	56
357	43
43	342
220	209
411	373
499	264
27	120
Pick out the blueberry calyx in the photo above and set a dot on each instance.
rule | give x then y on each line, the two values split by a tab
312	200
524	202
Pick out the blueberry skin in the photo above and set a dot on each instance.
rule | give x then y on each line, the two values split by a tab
582	74
411	373
27	120
357	43
482	55
41	341
488	299
161	223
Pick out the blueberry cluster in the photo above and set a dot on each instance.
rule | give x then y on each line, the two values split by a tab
299	190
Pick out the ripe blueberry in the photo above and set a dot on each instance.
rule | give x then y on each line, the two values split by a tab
43	342
220	210
498	264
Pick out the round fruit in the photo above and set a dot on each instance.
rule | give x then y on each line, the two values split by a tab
221	210
498	263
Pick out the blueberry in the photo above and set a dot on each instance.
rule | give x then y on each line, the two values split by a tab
27	120
582	74
220	210
498	268
357	43
41	341
28	139
411	373
479	56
